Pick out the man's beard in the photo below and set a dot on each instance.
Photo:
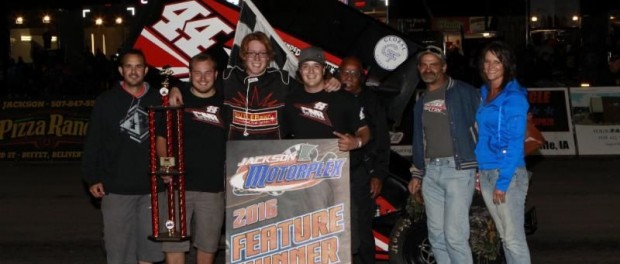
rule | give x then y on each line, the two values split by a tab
430	77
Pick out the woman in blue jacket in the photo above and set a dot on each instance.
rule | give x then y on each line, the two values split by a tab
501	120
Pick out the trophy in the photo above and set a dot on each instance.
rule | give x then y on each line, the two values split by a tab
171	165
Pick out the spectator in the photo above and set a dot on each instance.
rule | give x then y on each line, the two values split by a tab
102	70
611	75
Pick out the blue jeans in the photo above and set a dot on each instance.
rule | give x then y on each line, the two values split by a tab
447	197
509	216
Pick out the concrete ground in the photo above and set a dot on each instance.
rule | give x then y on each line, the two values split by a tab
47	216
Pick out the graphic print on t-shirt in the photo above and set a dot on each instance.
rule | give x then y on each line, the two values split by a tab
436	106
316	111
135	124
209	115
255	111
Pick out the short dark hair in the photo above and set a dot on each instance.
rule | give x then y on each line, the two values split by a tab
352	60
132	52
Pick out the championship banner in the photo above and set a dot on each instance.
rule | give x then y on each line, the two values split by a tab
551	114
596	113
41	130
287	201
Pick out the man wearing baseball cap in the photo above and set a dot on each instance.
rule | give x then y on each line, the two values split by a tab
312	113
315	54
444	163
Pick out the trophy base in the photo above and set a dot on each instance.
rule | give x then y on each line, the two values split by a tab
167	237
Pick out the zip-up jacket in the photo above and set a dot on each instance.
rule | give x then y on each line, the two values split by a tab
462	101
253	106
502	124
116	149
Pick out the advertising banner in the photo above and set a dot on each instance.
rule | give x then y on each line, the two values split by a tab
40	130
287	201
596	113
551	114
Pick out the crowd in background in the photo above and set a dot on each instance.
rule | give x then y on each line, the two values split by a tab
51	74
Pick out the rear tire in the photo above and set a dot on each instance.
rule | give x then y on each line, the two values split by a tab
409	243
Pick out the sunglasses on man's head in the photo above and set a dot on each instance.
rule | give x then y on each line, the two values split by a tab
433	49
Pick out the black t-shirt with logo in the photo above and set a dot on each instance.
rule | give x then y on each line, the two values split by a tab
318	115
204	135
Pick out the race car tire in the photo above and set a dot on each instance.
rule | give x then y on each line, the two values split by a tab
409	243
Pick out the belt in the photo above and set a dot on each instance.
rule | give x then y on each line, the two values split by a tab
441	161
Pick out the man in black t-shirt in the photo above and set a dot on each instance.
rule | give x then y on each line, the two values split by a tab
376	152
312	113
204	148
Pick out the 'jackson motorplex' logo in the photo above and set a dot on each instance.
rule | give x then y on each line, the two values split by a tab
390	52
298	167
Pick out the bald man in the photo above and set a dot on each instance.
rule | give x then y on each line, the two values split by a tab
376	156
